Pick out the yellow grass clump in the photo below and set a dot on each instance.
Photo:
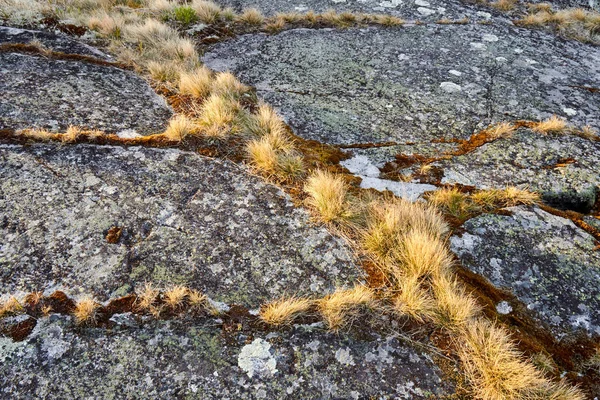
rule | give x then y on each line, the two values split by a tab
421	254
179	127
342	307
10	307
504	5
455	308
208	12
512	196
327	195
147	297
550	125
284	311
163	71
502	130
86	311
196	298
196	83
266	121
226	84
252	16
175	296
388	221
453	201
493	366
413	299
218	116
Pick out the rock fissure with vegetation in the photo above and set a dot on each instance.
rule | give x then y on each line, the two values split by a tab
395	199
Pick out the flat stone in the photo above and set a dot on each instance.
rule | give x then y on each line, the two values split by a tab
378	85
61	43
530	159
53	94
406	9
547	261
184	219
174	359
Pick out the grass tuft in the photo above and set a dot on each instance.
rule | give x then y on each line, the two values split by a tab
147	297
341	308
285	311
86	311
207	11
227	85
550	125
10	307
493	366
454	307
196	83
252	16
327	194
414	300
218	116
180	127
175	297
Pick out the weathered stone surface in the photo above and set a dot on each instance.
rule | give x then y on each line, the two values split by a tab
564	168
170	360
422	10
53	94
185	219
61	43
546	261
380	85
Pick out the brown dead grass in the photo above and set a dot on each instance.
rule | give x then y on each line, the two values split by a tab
176	296
219	116
252	16
10	307
180	127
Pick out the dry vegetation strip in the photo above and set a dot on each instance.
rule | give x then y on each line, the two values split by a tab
406	241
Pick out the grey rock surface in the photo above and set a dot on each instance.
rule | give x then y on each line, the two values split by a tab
391	84
53	94
423	10
169	360
185	219
530	159
547	261
61	43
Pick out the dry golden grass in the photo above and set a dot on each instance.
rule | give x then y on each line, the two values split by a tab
513	196
71	135
454	307
263	155
493	366
108	25
37	134
284	311
388	20
218	116
587	132
175	296
387	221
162	5
197	83
413	300
544	363
227	85
147	297
10	307
341	308
266	121
251	16
163	71
504	5
208	12
196	298
422	255
452	201
502	130
179	127
488	199
327	195
86	311
275	25
550	125
536	7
